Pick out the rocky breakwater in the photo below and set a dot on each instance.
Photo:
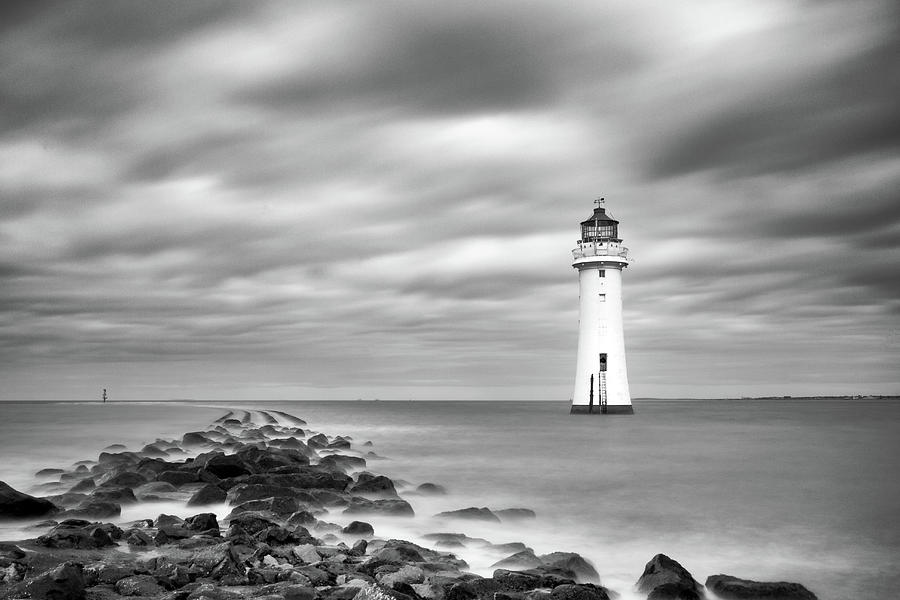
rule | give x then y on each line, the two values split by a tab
296	530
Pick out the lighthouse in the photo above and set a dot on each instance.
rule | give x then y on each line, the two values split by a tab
601	379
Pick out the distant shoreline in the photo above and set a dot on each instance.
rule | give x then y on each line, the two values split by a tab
195	401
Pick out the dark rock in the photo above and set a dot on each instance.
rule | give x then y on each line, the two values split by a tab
579	592
194	438
674	591
178	478
118	458
208	494
386	506
373	485
121	479
279	506
399	551
77	533
227	466
471	513
153	450
524	559
249	523
122	495
105	573
16	505
164	520
100	509
202	522
727	587
301	517
570	561
65	582
49	473
9	553
509	547
253	491
360	528
317	441
515	514
475	589
139	585
431	489
660	570
85	485
137	537
341	462
308	478
68	499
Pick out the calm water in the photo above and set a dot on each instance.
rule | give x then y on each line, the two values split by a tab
796	490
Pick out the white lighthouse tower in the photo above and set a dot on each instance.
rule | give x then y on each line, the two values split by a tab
601	379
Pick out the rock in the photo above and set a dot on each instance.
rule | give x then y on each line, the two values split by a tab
208	494
194	438
306	553
471	513
100	509
77	533
202	522
307	478
49	473
727	587
154	451
16	505
317	441
674	591
68	499
118	458
85	485
301	517
138	585
282	507
227	466
178	478
360	528
121	479
122	495
579	592
65	582
251	491
373	485
386	506
341	462
101	572
9	553
431	489
573	562
662	570
249	522
399	552
137	537
525	559
515	514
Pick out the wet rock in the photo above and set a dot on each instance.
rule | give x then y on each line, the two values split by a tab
525	559
77	533
570	561
579	592
398	551
249	523
386	506
121	479
472	514
727	587
342	462
178	478
674	591
301	517
194	438
360	528
253	491
515	514
138	538
663	570
99	509
317	441
138	585
121	495
17	505
208	494
431	489
306	553
85	485
509	547
68	499
227	466
65	582
102	572
118	458
202	522
373	485
280	506
10	553
152	450
307	478
49	473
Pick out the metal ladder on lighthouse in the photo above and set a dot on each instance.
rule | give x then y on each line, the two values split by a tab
601	391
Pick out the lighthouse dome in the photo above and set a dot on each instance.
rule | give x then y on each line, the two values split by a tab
600	227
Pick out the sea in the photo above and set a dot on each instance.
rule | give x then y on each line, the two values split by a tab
802	490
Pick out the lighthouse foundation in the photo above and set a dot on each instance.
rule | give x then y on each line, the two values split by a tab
580	409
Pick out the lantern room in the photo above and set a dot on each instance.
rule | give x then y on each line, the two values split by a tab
600	226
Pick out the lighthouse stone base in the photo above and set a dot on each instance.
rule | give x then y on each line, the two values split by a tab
609	409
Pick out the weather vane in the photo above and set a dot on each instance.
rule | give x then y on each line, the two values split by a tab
600	202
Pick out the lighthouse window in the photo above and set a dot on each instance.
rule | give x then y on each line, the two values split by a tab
601	273
602	297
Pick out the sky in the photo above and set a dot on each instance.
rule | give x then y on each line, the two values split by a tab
341	200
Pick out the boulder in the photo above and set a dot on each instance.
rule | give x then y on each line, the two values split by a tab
569	561
254	491
250	523
524	559
373	485
385	506
279	506
16	505
579	592
431	489
208	494
472	514
202	522
663	570
139	585
65	582
122	495
178	478
77	533
85	485
674	591
49	473
307	478
121	479
727	587
360	528
227	466
194	438
306	553
100	509
341	462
